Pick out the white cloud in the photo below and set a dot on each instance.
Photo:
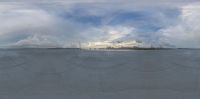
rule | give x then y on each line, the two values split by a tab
108	33
105	1
24	19
35	40
186	33
27	25
15	17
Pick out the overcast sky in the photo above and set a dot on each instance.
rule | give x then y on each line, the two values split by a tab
60	23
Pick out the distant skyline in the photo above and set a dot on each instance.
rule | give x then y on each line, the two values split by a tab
63	23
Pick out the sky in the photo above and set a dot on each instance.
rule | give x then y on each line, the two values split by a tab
62	23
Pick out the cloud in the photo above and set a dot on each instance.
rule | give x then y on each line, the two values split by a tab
153	2
108	33
64	23
22	21
186	33
29	25
41	41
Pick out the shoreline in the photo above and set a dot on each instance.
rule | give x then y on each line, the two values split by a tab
102	48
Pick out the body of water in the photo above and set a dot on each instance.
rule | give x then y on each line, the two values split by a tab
99	74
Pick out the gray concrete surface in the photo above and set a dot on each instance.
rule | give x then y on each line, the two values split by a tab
81	74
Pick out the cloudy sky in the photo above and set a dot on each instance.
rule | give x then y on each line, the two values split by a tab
61	23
